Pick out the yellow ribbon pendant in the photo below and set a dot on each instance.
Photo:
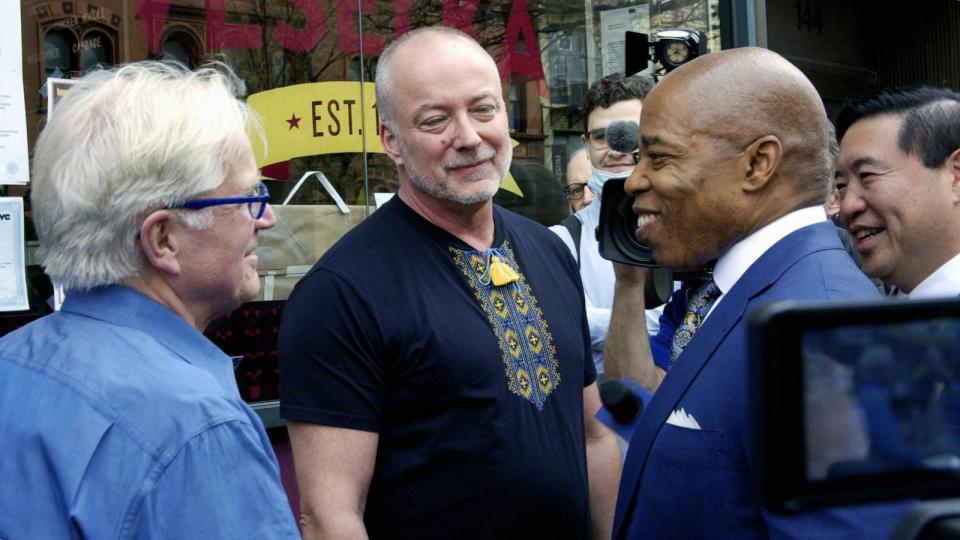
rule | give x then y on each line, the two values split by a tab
500	273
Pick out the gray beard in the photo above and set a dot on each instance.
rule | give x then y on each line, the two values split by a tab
442	190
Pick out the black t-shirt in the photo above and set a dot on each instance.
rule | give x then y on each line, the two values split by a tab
475	390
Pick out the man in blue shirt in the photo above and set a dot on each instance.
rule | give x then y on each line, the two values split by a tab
120	420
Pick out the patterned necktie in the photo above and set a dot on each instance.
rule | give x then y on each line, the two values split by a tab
697	309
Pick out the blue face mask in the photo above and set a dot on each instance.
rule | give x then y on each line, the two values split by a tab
600	177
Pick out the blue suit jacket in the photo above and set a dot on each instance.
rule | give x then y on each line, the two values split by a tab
694	483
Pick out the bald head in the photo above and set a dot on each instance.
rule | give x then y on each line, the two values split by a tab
407	47
741	95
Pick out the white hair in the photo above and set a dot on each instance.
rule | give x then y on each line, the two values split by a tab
121	144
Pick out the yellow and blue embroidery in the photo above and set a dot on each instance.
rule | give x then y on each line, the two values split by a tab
526	346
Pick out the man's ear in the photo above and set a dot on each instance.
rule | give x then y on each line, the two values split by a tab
390	144
160	241
953	167
763	158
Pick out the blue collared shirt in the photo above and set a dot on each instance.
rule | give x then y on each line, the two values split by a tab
119	420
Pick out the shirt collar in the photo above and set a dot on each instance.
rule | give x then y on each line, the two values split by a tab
944	281
734	263
123	306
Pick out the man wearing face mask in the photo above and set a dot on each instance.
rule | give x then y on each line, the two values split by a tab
612	105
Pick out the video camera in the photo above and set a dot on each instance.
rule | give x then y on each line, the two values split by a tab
615	233
860	402
671	48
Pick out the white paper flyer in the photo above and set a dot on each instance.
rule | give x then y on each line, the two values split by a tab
614	23
13	276
14	156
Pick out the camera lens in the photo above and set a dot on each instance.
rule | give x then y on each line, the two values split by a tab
624	236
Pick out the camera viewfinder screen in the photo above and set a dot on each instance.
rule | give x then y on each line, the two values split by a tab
881	399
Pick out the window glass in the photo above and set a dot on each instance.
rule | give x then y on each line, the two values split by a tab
95	50
175	49
302	64
309	68
58	51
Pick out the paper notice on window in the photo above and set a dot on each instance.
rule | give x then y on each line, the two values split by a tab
614	23
14	156
13	275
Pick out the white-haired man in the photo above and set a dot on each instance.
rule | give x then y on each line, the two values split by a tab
120	419
435	363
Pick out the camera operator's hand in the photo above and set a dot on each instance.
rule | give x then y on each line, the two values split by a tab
629	274
627	352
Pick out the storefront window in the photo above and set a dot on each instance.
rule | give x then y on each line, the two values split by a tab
181	48
309	68
95	50
58	48
303	62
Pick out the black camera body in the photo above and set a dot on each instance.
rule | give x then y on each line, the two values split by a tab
618	243
670	48
617	228
616	236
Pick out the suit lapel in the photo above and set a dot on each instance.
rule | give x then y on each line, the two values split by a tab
697	354
765	271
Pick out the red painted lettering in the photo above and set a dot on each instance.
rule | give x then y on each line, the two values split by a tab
348	40
459	14
401	17
152	15
312	32
512	60
221	35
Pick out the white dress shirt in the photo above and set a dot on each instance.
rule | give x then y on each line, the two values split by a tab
740	257
945	281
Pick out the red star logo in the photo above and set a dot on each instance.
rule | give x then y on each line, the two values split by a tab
294	121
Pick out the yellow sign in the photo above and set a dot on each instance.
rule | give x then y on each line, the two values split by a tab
323	118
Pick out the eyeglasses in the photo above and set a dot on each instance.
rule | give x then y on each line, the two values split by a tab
256	204
574	191
597	138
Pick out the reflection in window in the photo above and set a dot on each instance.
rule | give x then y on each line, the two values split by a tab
58	48
353	69
567	60
180	47
96	49
516	108
174	49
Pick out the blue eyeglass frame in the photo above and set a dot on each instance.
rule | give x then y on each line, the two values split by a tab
263	199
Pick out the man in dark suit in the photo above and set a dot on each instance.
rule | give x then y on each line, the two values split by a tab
736	157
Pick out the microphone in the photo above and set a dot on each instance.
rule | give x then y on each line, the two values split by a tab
622	136
624	405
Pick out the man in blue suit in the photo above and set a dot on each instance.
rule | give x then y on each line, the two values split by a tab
736	158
